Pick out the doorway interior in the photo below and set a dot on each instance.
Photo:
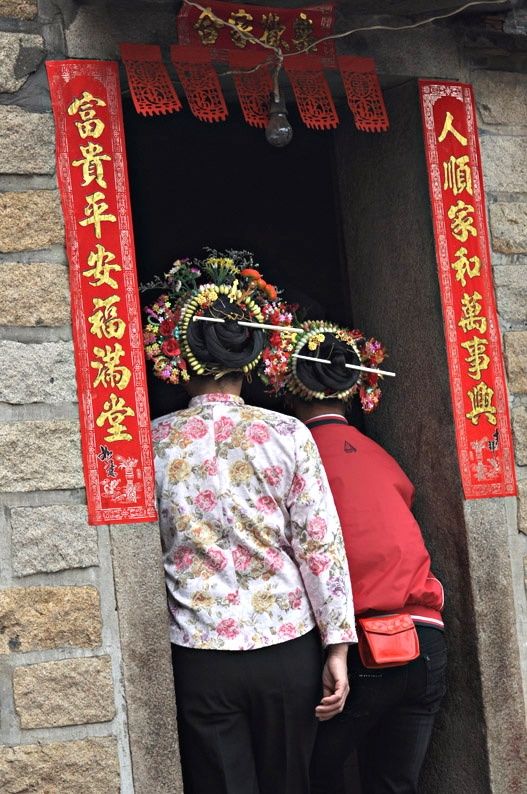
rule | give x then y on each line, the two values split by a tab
195	185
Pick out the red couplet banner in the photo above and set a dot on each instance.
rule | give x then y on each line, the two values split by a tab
113	403
473	339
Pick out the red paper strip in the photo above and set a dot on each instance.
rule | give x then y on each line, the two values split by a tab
291	29
254	85
475	361
312	93
113	402
150	85
363	93
200	82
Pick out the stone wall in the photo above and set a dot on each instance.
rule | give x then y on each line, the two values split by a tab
502	122
78	711
85	682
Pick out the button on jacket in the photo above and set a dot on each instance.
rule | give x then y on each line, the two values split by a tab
252	546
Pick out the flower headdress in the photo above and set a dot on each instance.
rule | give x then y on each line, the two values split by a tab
329	372
223	288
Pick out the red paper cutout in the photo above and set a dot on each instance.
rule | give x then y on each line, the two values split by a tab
363	93
200	82
312	93
254	86
150	85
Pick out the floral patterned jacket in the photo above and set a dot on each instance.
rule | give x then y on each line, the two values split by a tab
252	546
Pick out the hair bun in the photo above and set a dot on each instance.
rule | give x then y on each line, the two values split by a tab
227	344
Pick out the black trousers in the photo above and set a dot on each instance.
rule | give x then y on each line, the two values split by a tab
247	718
389	716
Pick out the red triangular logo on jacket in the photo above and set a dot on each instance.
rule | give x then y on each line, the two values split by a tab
349	447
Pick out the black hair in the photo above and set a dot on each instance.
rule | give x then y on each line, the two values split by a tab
329	378
227	344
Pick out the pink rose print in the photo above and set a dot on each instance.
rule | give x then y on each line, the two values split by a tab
295	599
205	500
161	431
266	504
216	561
274	560
298	486
228	628
223	428
317	528
211	467
258	433
287	631
195	428
234	598
273	474
242	558
318	563
183	558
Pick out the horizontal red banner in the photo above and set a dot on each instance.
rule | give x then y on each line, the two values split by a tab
113	402
473	338
290	29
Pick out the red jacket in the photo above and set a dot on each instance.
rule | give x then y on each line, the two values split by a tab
388	562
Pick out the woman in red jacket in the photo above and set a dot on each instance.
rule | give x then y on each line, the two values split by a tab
390	711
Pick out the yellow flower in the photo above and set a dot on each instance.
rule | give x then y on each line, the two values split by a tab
178	470
315	341
263	601
240	472
201	600
203	534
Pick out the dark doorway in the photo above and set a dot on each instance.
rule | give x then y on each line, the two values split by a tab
222	185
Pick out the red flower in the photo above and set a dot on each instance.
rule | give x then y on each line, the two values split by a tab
166	327
250	273
270	291
170	347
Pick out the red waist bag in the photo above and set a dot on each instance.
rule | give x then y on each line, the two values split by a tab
388	641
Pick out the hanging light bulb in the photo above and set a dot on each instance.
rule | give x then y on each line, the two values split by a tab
278	132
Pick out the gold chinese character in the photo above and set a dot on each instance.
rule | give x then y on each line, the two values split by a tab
273	30
461	221
449	127
94	212
101	264
465	267
104	320
89	127
92	166
115	412
304	36
481	399
207	27
471	310
242	21
477	358
458	176
109	370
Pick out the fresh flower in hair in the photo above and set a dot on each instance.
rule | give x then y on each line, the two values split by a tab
190	289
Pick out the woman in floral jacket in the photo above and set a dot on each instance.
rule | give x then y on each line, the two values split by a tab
254	561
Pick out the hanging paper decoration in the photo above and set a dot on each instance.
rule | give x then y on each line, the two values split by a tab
477	378
245	37
200	82
111	382
254	85
151	87
311	91
363	93
290	29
